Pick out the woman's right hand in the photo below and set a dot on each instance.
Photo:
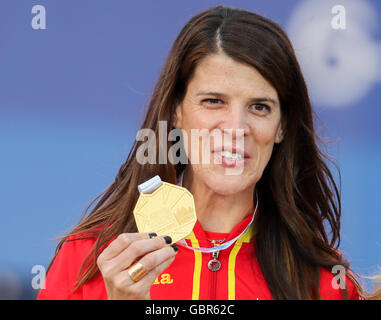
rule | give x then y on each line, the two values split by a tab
155	254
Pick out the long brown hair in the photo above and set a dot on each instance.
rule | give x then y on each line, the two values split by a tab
375	293
298	195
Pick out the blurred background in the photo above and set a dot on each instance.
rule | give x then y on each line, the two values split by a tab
72	98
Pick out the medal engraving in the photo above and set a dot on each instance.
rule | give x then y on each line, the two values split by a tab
168	211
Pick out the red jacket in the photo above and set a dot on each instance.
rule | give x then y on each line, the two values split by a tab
188	277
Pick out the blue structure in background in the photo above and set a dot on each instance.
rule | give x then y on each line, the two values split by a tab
72	97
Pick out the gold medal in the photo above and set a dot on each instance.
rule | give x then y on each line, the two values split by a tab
166	209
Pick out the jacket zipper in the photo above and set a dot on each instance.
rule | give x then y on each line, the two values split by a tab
214	265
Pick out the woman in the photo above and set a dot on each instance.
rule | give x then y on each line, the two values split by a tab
232	71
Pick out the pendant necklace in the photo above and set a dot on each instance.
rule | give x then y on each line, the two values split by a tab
214	264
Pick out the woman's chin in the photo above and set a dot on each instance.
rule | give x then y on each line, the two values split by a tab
226	192
227	187
223	183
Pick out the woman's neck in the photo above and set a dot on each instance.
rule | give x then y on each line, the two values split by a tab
216	212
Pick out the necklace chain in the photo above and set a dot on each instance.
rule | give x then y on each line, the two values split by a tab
218	241
225	245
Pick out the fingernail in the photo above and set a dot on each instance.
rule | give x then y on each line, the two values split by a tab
152	235
168	239
175	247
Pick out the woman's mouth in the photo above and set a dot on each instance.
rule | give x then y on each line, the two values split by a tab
230	157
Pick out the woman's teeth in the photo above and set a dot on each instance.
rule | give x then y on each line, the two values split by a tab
231	156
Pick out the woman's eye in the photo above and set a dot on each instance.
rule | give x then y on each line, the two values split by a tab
260	107
212	101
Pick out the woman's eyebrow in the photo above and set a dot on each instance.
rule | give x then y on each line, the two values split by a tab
224	96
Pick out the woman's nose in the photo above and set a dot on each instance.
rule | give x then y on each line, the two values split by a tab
235	123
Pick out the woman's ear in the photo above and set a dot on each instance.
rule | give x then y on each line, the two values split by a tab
177	117
279	134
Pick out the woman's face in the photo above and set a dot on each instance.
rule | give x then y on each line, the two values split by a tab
239	114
